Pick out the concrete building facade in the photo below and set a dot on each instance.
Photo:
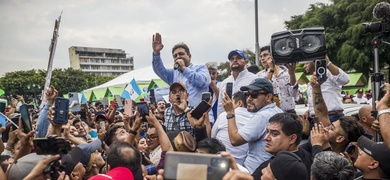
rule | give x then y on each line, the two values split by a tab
100	61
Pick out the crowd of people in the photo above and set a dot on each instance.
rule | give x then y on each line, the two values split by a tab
255	127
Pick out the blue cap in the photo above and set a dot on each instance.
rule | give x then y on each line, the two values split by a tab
236	51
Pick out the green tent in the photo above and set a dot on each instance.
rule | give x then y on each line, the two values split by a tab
87	95
1	92
356	79
98	94
156	83
301	78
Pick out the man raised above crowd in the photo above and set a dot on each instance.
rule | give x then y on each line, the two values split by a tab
195	77
240	76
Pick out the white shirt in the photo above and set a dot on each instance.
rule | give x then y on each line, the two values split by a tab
282	87
361	100
331	91
244	78
220	132
155	155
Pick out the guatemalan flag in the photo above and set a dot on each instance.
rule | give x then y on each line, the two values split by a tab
132	91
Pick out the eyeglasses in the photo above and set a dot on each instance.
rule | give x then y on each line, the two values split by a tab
254	94
151	137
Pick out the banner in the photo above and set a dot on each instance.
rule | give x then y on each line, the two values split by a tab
52	50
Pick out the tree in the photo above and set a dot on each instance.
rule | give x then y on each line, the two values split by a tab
65	80
346	43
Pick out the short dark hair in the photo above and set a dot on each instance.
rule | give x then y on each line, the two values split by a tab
240	96
290	124
109	137
213	145
181	45
117	157
329	165
265	48
351	127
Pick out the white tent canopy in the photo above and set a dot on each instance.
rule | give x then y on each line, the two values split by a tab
145	74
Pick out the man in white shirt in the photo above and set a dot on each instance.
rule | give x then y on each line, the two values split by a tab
220	128
331	90
282	78
359	99
240	75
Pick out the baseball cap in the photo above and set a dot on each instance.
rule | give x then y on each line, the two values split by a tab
21	168
175	84
377	150
286	165
184	142
101	116
236	51
360	90
118	173
87	149
259	84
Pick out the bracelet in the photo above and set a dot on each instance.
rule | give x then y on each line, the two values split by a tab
329	63
133	132
382	112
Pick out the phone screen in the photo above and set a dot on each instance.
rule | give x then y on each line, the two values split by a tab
143	110
229	89
182	164
119	100
2	107
200	109
25	117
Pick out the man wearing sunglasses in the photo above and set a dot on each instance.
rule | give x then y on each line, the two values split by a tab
260	102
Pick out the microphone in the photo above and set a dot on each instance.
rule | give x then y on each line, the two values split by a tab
381	10
176	66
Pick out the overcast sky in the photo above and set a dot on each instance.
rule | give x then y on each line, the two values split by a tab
211	28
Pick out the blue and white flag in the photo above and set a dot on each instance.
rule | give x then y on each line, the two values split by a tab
132	91
82	98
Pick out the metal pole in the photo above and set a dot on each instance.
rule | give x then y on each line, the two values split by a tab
256	35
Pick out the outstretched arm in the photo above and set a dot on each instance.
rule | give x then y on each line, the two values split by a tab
320	108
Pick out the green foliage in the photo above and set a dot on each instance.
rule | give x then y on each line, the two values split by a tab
65	80
347	45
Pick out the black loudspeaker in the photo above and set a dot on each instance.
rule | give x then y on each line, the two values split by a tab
302	45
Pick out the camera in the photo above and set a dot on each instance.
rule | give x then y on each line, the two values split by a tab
381	10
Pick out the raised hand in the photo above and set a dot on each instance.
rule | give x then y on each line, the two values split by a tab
157	44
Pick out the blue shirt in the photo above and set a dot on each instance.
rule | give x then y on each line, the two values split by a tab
195	77
254	132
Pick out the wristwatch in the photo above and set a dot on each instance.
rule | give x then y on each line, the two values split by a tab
382	112
229	116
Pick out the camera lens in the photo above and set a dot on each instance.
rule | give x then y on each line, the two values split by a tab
321	71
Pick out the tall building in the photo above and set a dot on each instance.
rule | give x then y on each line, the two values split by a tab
100	61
